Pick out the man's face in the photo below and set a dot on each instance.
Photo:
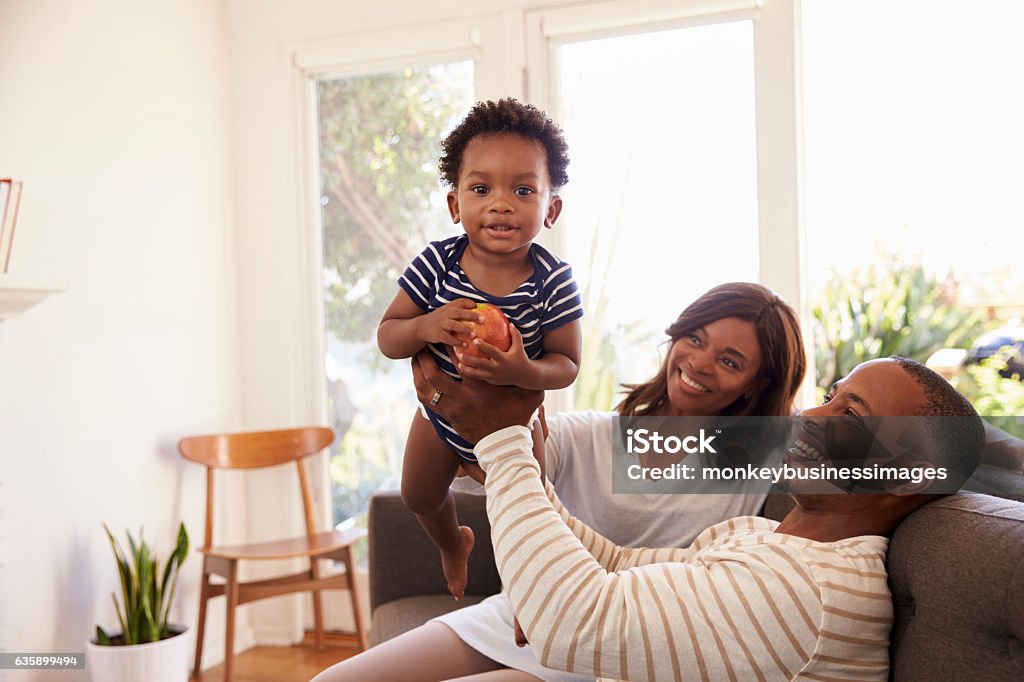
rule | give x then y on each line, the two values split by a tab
848	428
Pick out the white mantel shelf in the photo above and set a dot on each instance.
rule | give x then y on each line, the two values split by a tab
18	294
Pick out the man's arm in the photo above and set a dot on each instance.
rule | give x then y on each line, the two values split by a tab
645	623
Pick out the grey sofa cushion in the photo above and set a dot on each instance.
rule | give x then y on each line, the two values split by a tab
993	480
401	615
956	571
404	562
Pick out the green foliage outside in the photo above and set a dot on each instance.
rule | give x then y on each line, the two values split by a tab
895	308
999	399
595	385
379	147
892	308
146	596
382	203
610	350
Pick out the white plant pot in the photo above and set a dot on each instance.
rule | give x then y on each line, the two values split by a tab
163	661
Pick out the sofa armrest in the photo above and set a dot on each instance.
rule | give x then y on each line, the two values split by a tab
405	563
956	571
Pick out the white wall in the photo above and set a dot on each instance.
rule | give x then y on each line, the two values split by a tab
115	113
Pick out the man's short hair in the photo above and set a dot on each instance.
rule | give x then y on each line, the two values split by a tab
956	437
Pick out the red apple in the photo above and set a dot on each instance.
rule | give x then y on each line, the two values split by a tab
493	330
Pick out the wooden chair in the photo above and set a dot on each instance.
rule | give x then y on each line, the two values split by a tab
256	450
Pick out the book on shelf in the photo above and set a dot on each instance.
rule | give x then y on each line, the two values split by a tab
10	198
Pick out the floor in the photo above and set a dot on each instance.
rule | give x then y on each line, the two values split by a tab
282	664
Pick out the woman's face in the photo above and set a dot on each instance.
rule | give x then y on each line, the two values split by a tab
711	367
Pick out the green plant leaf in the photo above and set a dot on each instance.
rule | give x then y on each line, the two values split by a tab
127	583
101	637
171	576
145	597
121	618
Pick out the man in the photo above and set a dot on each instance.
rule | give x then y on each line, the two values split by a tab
806	598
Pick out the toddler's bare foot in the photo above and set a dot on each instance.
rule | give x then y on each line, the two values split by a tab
456	564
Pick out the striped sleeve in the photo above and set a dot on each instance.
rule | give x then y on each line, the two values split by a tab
610	556
422	278
562	302
712	619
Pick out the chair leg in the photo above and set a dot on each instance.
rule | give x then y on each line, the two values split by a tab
231	593
204	596
318	607
357	614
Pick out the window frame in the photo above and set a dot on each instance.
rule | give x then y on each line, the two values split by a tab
365	53
776	50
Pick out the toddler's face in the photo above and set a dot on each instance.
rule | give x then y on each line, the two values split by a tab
504	195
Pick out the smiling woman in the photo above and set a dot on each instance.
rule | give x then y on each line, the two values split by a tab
715	364
728	347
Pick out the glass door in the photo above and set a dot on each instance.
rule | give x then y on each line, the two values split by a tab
381	202
661	112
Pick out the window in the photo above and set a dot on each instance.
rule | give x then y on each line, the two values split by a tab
379	141
698	76
681	122
662	202
913	173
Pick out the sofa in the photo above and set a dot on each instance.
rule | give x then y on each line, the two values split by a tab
956	572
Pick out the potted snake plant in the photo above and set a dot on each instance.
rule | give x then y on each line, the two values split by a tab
148	647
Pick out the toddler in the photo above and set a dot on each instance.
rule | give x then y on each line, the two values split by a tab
504	163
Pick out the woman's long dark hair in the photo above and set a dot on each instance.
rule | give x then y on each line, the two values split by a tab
783	362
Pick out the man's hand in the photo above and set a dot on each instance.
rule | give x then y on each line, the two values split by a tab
474	408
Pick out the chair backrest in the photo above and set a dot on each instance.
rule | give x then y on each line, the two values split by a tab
253	450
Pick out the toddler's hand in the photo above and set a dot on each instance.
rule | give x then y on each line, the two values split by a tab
445	325
501	368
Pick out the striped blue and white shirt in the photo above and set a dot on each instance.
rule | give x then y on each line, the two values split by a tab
545	301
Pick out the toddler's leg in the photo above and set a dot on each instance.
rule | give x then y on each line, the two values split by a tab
427	472
538	448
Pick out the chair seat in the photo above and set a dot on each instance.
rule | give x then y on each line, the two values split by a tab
260	450
316	545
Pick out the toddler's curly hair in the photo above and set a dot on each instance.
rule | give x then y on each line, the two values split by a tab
505	116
